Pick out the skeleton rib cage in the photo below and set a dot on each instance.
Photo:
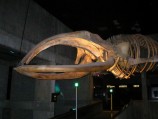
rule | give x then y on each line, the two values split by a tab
140	47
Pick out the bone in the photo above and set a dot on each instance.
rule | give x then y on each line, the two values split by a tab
91	67
53	76
133	61
90	46
80	54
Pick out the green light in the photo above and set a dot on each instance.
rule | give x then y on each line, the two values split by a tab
57	88
73	109
111	90
76	84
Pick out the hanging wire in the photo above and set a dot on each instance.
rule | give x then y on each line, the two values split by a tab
23	32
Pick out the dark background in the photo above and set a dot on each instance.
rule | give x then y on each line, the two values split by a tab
106	17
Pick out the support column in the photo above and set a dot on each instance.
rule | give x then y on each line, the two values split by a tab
145	102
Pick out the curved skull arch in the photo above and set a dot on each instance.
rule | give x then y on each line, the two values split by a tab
80	40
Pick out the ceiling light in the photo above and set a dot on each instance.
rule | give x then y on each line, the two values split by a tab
122	86
135	86
110	86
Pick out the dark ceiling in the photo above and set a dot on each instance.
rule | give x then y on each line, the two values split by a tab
104	17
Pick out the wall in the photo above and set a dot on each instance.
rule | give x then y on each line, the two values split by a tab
135	111
3	85
23	24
